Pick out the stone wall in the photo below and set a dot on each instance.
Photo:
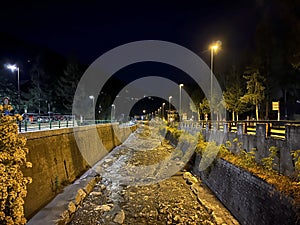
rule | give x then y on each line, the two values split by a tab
250	199
57	161
261	142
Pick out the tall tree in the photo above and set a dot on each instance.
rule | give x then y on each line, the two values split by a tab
195	109
67	84
255	89
204	107
278	48
8	89
232	101
233	93
39	92
196	97
216	106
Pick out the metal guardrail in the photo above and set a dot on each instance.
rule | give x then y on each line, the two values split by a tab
26	126
274	128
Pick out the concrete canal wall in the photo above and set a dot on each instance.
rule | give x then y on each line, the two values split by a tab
260	142
57	161
251	200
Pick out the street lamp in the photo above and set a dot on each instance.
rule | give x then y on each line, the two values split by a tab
170	98
93	99
113	113
163	110
213	48
180	86
16	68
159	112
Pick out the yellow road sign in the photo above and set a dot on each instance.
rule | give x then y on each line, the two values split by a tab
275	105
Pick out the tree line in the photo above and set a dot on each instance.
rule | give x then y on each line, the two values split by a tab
270	72
44	86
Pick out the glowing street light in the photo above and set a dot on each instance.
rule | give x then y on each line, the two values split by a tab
170	98
14	68
180	86
113	113
93	99
163	111
213	48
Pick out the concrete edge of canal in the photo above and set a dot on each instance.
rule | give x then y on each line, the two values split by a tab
64	205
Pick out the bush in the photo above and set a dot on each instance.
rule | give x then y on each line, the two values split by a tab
12	158
296	161
268	162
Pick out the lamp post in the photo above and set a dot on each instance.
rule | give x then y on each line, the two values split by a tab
163	111
93	99
169	114
213	48
170	98
180	86
13	68
113	113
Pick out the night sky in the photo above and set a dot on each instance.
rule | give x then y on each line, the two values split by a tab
87	29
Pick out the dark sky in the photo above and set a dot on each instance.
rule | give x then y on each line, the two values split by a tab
90	28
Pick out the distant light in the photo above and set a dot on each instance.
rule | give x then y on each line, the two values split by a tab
91	97
12	67
181	85
216	45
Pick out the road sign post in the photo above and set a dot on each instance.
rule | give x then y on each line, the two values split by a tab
275	106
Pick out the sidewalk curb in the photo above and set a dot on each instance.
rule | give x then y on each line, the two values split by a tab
63	205
67	215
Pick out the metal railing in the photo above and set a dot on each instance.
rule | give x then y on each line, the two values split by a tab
27	126
274	128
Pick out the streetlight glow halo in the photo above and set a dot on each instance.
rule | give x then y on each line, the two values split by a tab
12	67
216	45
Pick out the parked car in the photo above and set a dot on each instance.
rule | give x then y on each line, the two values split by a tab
30	117
55	116
43	119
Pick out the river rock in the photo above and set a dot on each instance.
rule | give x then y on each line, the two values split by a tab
190	179
72	207
96	193
120	217
103	208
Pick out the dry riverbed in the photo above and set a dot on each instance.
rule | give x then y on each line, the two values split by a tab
119	199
